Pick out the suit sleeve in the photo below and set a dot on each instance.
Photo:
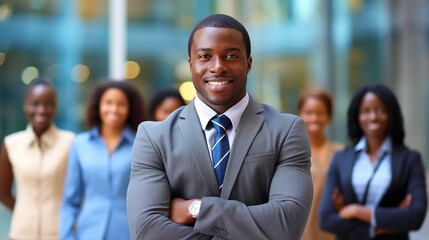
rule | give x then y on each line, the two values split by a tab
73	193
148	196
412	217
290	196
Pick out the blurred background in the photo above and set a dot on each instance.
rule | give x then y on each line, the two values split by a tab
337	44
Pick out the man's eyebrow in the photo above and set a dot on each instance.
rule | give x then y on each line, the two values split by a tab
203	49
233	49
209	49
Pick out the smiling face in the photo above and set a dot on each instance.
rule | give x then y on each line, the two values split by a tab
114	108
315	115
373	117
219	67
40	107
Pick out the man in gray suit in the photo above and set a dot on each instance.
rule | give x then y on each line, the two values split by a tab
264	190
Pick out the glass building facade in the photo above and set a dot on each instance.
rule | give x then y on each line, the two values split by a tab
338	44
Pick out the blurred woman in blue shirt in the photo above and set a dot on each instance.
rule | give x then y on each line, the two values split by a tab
99	165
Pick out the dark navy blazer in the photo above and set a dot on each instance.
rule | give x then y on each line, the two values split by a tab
408	176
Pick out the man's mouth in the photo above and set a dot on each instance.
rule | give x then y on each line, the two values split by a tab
217	83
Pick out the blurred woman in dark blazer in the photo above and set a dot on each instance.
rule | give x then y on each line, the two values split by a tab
376	188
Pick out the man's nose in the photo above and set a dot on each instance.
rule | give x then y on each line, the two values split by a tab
217	65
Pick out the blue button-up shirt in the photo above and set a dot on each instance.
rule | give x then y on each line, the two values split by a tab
364	169
94	205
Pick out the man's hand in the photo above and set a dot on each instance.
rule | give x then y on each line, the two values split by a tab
179	211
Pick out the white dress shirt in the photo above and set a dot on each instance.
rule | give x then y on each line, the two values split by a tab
205	114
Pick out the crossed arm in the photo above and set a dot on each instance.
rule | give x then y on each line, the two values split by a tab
361	212
354	220
153	213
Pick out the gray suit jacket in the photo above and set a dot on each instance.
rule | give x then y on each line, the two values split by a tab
267	190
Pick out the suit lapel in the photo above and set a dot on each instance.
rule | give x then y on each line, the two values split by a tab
348	172
250	123
194	138
397	166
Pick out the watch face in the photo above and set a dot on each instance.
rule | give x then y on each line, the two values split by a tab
194	208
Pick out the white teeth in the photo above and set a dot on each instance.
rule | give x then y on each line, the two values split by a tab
217	83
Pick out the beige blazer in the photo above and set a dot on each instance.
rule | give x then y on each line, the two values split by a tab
319	170
39	169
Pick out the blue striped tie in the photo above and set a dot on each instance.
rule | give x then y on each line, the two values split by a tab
220	147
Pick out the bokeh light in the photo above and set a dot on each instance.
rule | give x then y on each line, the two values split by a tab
5	12
29	73
2	58
187	91
80	73
131	69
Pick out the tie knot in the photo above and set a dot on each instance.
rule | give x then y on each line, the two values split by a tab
221	123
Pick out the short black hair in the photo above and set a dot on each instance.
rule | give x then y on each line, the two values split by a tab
221	21
136	112
163	94
396	127
39	81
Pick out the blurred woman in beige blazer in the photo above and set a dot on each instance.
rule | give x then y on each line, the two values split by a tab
36	158
315	107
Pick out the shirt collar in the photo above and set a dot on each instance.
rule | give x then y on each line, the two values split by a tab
47	138
205	113
385	147
127	134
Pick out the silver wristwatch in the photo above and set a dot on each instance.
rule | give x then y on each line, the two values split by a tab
194	208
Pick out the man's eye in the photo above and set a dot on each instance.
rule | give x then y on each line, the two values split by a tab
229	56
204	56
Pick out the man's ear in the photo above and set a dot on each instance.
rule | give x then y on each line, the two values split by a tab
249	64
